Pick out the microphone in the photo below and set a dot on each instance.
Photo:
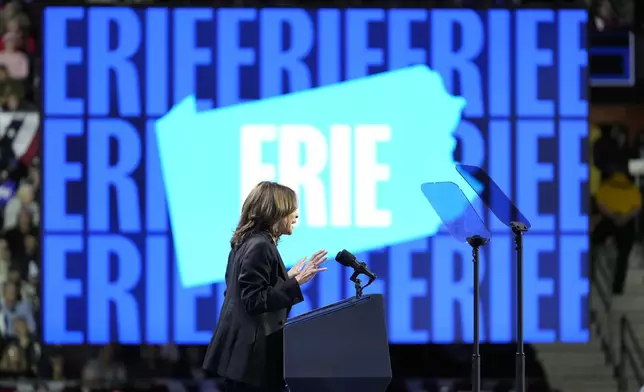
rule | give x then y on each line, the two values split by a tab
347	259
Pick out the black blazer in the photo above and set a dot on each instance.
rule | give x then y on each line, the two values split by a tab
247	343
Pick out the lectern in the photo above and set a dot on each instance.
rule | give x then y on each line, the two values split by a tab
342	347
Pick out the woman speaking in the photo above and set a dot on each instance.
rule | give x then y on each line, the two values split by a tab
247	346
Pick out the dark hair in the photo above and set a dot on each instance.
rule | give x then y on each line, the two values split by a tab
267	204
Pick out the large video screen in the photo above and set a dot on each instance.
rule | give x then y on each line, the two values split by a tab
158	121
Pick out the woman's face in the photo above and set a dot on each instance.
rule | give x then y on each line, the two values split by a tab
287	224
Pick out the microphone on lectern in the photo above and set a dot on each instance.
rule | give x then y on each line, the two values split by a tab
348	259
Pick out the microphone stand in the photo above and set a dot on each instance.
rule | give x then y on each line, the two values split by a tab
476	242
518	229
357	282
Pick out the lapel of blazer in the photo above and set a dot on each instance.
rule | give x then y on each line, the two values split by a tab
282	268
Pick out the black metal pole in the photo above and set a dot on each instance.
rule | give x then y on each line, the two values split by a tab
476	355
476	242
518	229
